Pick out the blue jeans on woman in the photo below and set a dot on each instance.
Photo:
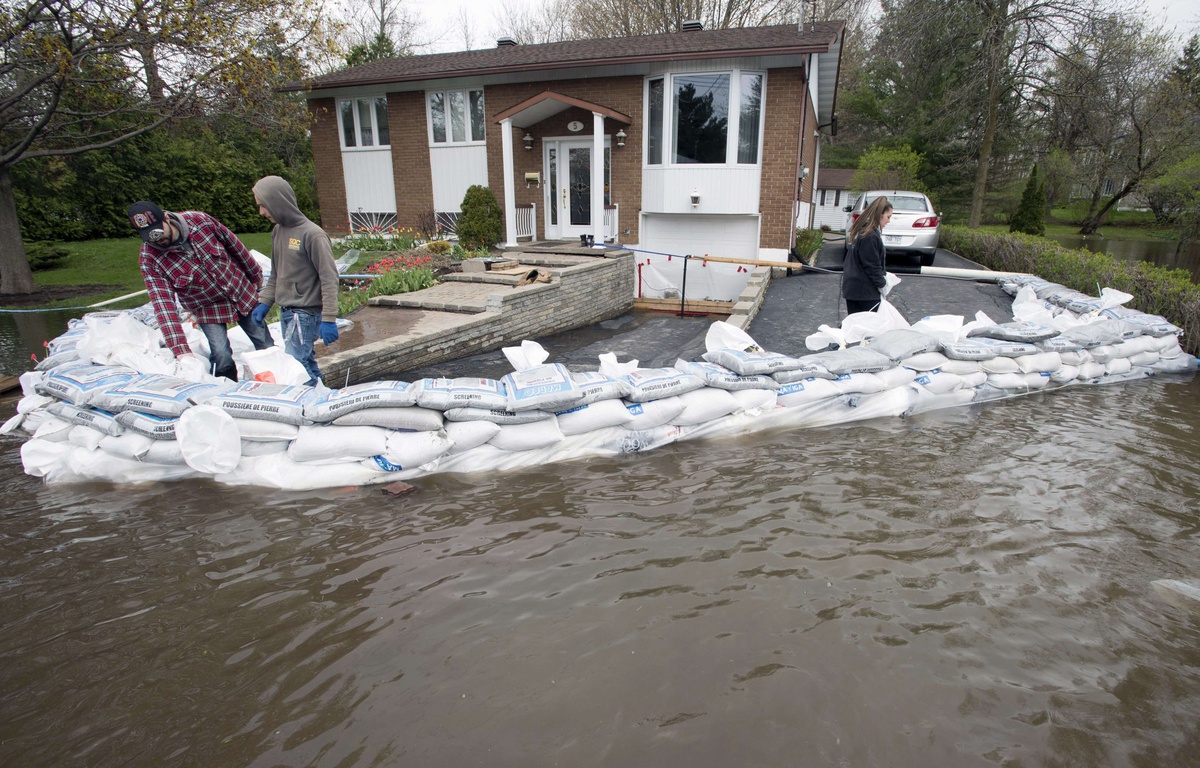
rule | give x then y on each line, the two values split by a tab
220	355
300	328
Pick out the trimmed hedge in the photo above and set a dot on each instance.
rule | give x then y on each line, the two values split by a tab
1156	291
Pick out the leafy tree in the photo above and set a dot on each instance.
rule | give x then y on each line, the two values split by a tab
1030	217
480	222
887	168
1175	197
83	75
380	47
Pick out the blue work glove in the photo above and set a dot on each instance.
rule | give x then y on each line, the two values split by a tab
259	314
329	332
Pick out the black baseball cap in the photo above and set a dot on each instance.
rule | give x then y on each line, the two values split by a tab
148	219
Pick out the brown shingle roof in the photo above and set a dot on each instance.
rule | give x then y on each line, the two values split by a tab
746	41
835	178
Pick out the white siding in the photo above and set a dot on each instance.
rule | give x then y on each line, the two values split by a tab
722	190
454	169
369	183
696	235
831	213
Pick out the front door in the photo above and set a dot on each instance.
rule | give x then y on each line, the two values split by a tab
569	187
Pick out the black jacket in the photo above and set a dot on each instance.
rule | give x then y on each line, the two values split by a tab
862	272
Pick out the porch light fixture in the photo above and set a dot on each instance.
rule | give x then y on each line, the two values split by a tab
695	198
621	135
528	140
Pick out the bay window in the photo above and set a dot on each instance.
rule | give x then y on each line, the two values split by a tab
704	118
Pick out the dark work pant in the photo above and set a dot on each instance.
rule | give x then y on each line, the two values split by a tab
853	305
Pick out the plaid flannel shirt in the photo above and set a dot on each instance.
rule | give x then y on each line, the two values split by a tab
216	280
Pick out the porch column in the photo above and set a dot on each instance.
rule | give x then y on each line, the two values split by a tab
510	185
598	179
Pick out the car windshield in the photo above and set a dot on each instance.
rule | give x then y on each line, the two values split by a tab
901	203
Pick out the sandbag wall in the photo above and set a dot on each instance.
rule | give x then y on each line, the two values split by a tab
105	422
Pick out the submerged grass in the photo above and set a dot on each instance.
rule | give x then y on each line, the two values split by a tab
1157	291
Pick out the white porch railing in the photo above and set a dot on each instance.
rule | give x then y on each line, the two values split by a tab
527	221
612	220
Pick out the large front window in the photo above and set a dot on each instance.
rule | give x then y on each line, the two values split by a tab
364	122
704	119
456	117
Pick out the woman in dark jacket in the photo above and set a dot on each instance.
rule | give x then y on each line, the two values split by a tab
862	274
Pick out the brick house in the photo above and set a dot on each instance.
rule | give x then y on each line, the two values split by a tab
707	137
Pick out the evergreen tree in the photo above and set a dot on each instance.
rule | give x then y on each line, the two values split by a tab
481	222
1030	217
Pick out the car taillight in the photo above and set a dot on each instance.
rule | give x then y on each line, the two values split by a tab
854	217
927	222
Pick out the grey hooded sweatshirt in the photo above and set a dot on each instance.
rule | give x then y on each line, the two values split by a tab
303	275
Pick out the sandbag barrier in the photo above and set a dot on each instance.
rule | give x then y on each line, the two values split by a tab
109	404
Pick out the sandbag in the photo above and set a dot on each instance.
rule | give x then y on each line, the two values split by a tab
999	365
100	420
208	439
326	442
527	437
1016	331
720	377
587	418
755	399
157	427
547	387
466	435
282	367
595	386
647	384
704	405
898	376
654	413
752	361
1043	362
859	383
928	361
334	403
265	430
939	382
900	343
261	400
496	415
77	384
848	360
805	392
156	394
414	418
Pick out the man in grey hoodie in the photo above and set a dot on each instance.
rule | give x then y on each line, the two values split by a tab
304	279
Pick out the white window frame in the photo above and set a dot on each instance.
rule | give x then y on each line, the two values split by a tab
670	112
358	123
466	95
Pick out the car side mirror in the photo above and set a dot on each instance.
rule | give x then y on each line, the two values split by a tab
848	208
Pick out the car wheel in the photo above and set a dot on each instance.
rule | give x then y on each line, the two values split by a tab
926	259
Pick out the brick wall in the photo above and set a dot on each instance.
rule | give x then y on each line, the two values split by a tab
411	170
580	295
327	159
785	94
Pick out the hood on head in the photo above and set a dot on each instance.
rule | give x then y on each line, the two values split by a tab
277	196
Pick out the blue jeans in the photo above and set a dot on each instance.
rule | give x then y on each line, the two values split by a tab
220	354
300	329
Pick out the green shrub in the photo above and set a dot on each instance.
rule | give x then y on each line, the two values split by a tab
807	241
480	223
438	246
1030	217
1157	291
45	254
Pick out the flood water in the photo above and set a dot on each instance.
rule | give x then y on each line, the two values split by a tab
1162	253
969	587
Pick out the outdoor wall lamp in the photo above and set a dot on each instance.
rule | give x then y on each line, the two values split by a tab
695	198
621	136
528	140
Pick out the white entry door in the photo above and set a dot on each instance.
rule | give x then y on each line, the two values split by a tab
569	187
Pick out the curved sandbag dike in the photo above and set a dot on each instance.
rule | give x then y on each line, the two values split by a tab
109	404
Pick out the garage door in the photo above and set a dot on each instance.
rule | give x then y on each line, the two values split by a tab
661	276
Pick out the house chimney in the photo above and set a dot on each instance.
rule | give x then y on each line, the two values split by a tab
692	25
503	42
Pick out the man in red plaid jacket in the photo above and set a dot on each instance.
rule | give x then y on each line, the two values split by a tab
192	257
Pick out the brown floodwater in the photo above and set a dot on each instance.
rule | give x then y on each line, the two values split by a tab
969	587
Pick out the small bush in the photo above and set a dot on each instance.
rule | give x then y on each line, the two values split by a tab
45	254
481	223
439	246
807	241
1157	291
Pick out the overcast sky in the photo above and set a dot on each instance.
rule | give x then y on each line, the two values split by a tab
442	17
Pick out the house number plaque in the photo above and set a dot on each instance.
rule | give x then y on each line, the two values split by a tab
574	126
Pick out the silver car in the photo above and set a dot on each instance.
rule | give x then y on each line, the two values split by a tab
914	225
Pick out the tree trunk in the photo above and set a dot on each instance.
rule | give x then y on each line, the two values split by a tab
998	22
15	274
1092	222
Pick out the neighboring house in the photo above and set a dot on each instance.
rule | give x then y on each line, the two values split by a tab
706	137
832	195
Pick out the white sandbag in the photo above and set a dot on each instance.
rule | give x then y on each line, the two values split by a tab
496	415
595	386
157	427
529	355
76	385
165	453
1042	362
1015	331
443	394
261	400
1117	366
1137	346
654	413
466	435
527	437
129	445
1076	358
334	403
849	360
927	361
265	430
1007	381
1060	344
100	420
752	361
414	418
1152	325
723	335
1091	370
720	377
547	387
1036	379
900	343
263	447
58	359
32	420
755	399
1167	346
1184	363
40	458
972	380
282	367
704	405
646	384
939	382
155	394
800	393
963	349
1095	334
999	365
897	376
85	437
12	425
1105	353
941	327
1065	374
109	335
1002	348
278	471
861	383
208	438
413	449
587	418
960	367
325	442
1143	358
52	429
